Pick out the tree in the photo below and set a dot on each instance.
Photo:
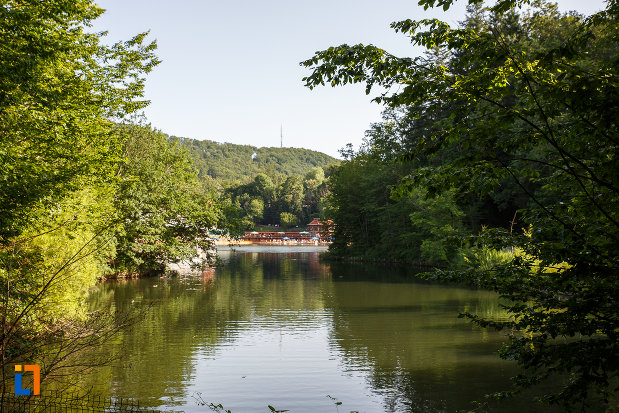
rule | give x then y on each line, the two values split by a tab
287	220
291	195
264	187
255	209
59	89
372	224
315	188
314	178
532	99
163	214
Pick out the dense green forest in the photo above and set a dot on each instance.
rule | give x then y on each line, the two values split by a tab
276	199
227	162
261	186
497	160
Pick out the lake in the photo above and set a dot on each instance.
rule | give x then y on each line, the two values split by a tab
276	326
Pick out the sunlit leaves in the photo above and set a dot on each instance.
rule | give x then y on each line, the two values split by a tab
164	216
58	86
519	105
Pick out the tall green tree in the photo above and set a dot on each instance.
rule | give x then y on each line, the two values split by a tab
60	87
291	195
315	187
372	224
163	213
532	99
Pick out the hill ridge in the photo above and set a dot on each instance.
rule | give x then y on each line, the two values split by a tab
230	161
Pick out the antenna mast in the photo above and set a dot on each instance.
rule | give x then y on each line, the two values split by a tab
281	136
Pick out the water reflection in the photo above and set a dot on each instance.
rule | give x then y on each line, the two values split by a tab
416	348
288	330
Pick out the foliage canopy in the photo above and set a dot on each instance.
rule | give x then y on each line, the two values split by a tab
81	196
227	162
529	100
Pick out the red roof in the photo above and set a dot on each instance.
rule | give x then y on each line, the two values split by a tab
315	221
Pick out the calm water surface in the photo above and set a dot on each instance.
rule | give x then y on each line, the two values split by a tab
274	325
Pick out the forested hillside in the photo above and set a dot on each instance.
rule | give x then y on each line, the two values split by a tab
260	186
230	162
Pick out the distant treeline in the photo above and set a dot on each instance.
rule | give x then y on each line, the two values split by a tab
260	186
229	162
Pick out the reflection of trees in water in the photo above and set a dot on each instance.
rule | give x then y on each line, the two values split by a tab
409	337
278	266
155	355
371	272
417	354
401	393
274	281
191	316
208	277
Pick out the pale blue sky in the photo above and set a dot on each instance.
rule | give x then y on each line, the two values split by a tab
230	69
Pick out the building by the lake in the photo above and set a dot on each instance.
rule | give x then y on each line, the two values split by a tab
317	232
